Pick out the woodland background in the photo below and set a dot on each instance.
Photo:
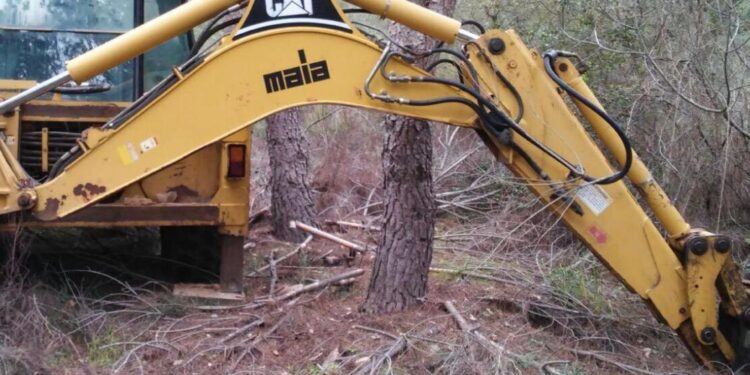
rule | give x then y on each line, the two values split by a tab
675	73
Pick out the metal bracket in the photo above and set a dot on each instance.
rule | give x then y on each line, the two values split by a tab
705	257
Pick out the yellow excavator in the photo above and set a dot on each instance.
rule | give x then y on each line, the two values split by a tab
527	106
200	211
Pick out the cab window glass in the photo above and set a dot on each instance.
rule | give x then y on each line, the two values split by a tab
100	15
37	37
158	63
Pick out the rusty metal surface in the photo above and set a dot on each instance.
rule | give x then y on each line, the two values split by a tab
88	191
119	215
81	112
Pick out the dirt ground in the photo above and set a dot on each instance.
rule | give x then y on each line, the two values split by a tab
323	332
522	321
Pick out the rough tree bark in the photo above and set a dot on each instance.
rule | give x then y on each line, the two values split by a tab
291	196
399	276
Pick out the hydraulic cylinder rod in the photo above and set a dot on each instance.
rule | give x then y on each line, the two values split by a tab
144	38
126	47
183	18
34	92
639	174
416	17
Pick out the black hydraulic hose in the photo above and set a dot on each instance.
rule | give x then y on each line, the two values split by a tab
209	32
514	92
357	11
549	60
469	67
458	55
505	81
475	24
530	161
449	62
503	120
63	162
485	118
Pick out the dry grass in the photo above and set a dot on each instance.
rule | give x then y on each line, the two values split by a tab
545	318
512	270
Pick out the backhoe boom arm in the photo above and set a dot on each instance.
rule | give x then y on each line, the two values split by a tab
514	97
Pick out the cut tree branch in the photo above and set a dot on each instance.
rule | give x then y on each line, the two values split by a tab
317	285
326	235
283	258
372	366
499	350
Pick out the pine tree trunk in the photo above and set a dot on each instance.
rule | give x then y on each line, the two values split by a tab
402	264
291	196
399	275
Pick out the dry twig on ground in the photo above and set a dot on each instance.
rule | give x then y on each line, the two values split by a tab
292	253
476	275
354	225
300	289
274	275
622	366
377	361
328	236
499	350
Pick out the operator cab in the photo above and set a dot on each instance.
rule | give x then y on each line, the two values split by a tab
37	37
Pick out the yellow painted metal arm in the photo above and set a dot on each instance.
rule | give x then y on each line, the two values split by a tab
144	38
191	14
271	66
639	174
416	17
679	277
315	66
606	217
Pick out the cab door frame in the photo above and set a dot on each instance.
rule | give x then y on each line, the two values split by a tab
139	18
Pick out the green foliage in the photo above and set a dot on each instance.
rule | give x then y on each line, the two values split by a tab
666	70
312	370
528	360
102	351
571	369
171	306
315	369
576	284
345	292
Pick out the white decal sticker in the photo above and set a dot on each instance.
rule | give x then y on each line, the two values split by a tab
133	153
148	145
595	198
286	8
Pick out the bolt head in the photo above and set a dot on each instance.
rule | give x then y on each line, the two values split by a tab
26	201
496	46
723	244
697	245
708	335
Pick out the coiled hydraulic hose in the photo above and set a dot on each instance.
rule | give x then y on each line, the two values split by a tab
549	61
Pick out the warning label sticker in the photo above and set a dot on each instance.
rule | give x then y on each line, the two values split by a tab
148	145
128	154
594	197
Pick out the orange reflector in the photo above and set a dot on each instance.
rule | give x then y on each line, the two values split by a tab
237	161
